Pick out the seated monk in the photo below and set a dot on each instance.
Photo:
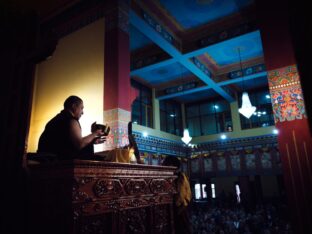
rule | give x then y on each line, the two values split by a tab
62	134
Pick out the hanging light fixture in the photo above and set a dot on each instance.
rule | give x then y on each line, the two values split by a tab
186	137
186	134
247	109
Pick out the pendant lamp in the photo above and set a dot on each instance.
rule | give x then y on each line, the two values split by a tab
247	109
186	137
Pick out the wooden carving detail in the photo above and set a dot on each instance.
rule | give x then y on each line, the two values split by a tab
162	186
77	193
161	216
76	214
98	207
82	180
107	187
134	220
103	197
116	204
136	186
80	196
96	224
135	203
112	204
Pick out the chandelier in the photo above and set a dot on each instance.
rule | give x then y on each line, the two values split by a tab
247	109
186	137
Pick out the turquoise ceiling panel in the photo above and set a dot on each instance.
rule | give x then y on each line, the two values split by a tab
165	74
227	52
137	39
192	13
199	96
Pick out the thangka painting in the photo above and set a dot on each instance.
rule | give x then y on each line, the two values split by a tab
266	161
195	165
221	163
286	94
250	161
208	164
235	162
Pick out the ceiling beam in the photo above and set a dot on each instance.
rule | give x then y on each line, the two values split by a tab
191	54
245	78
178	94
205	78
149	32
151	67
222	83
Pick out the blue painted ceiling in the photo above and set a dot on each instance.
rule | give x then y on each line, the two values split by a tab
201	95
165	74
194	13
137	39
222	56
228	52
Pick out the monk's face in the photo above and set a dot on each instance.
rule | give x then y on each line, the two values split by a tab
78	110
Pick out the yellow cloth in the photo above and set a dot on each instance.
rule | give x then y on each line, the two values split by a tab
120	155
184	190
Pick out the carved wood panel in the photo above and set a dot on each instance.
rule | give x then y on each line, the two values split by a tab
95	197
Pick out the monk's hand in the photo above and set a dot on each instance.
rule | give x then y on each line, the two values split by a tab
93	127
100	140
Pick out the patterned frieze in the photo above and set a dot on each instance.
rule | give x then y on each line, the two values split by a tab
227	34
118	120
235	162
221	162
208	165
96	208
246	160
266	160
237	144
157	27
181	88
250	160
201	66
160	145
247	71
142	62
